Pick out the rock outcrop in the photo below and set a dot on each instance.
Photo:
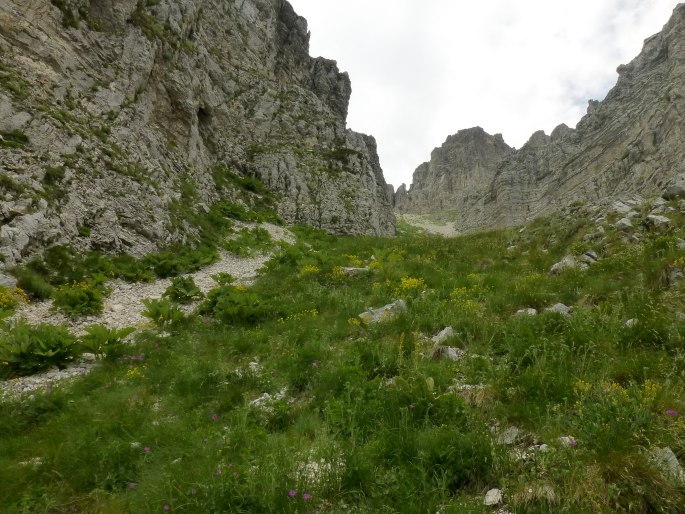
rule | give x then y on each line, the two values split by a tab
115	112
458	175
631	142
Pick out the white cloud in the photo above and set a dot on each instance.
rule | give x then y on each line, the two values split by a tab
424	69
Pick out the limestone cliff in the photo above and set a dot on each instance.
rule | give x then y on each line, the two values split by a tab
458	175
111	110
631	142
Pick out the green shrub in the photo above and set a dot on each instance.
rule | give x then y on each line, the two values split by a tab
162	312
26	349
81	298
54	174
249	241
13	139
102	340
33	283
236	305
183	290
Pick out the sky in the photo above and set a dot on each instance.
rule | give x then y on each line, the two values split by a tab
424	69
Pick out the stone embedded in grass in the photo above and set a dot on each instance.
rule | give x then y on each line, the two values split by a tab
353	272
657	222
493	497
568	262
443	335
567	440
631	323
624	224
560	308
665	460
526	312
589	257
509	436
447	353
385	313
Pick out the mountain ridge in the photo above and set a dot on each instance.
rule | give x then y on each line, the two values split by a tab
631	142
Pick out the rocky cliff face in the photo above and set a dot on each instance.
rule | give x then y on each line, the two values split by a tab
458	175
112	110
631	142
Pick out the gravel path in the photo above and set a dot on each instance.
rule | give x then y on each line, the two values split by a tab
423	222
123	308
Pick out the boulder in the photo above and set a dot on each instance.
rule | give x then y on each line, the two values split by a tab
493	497
624	224
447	353
658	222
443	335
568	262
385	313
666	461
560	308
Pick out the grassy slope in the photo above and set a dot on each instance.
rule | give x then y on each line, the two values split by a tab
368	422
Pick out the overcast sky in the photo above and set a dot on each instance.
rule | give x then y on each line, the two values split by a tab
424	69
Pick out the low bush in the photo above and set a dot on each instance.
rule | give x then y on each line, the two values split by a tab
26	349
183	290
103	341
81	298
162	312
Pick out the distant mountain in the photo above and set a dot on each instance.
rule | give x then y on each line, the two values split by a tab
631	142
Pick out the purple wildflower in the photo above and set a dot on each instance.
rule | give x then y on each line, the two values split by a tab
167	507
672	412
292	493
215	417
147	449
315	363
306	496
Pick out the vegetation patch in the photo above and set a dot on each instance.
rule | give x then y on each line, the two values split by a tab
13	139
276	398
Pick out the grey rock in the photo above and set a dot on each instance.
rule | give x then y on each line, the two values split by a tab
675	188
7	280
526	312
443	335
665	460
385	313
228	87
447	353
353	272
560	308
493	497
633	322
680	243
632	214
624	224
658	222
509	436
568	262
589	257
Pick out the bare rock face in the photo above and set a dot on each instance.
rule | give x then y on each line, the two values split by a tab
631	142
112	112
458	175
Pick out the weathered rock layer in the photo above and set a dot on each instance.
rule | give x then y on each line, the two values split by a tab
111	112
631	142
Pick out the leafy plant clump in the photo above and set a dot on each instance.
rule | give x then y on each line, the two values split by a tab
26	349
183	290
162	312
84	298
103	341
